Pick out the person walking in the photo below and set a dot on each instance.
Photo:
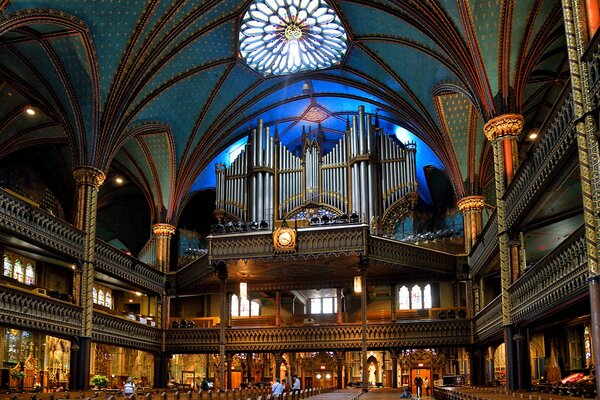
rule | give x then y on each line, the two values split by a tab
295	386
419	386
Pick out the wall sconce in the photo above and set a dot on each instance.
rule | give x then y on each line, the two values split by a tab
357	284
318	376
327	376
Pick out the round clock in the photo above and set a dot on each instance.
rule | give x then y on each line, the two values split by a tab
284	238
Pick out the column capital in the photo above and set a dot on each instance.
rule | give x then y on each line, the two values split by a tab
471	203
163	230
89	176
505	125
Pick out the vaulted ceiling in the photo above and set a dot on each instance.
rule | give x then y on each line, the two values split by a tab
157	88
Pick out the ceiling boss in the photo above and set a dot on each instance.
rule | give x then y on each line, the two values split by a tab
279	37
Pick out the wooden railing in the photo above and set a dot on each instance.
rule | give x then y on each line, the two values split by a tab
394	252
314	338
26	310
557	278
39	227
127	268
36	226
486	245
555	148
123	332
488	321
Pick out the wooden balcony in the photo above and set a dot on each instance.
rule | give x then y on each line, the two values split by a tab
323	337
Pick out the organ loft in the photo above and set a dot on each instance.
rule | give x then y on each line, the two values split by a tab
367	176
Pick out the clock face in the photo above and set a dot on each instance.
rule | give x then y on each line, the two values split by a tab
284	238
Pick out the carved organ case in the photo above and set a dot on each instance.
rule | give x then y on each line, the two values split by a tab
366	172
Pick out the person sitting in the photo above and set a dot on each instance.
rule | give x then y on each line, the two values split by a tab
277	388
405	394
129	387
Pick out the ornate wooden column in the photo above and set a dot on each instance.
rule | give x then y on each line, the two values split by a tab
394	356
524	362
223	275
476	297
340	357
363	266
278	358
517	256
502	131
278	308
162	234
588	147
74	357
393	301
471	208
88	181
229	364
338	299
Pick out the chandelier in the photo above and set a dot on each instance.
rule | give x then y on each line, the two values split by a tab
279	37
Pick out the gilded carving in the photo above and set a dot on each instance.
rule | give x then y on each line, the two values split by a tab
505	125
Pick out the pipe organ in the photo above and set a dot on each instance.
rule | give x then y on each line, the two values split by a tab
366	172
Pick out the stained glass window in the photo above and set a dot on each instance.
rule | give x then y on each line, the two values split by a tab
108	299
427	296
30	274
8	267
18	271
315	306
235	305
404	298
417	298
243	307
101	297
254	308
279	37
94	295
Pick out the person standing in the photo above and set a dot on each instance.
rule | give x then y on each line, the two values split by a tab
295	386
426	384
419	386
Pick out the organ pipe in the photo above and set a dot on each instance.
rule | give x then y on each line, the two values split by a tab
267	181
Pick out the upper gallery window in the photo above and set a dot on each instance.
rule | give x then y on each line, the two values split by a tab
280	37
243	307
13	268
415	298
325	305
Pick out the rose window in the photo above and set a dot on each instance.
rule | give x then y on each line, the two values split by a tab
279	37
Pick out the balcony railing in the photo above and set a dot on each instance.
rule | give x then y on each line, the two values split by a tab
123	332
488	321
118	264
309	338
394	252
27	310
555	148
557	278
486	245
32	224
38	227
192	273
313	241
